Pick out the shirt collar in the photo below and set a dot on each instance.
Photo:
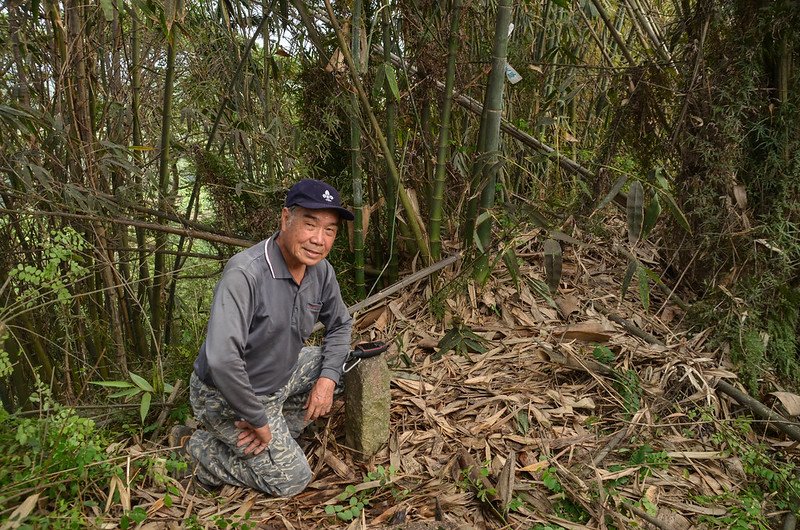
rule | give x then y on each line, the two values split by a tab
275	261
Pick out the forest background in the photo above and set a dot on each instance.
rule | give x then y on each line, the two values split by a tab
142	143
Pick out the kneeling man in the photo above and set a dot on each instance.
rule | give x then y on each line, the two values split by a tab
255	387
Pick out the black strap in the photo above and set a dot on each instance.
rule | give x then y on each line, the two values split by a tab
365	350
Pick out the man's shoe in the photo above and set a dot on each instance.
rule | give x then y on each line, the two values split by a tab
178	436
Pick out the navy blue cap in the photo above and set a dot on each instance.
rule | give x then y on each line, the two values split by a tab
316	195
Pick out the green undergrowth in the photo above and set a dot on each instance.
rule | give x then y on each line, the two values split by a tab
57	468
758	326
770	483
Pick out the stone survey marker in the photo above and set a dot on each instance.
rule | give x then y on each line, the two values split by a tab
367	401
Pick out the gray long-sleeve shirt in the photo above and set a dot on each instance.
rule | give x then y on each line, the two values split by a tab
260	319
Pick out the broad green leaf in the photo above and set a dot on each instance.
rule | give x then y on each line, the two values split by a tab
380	79
141	382
613	192
635	210
168	388
144	407
391	78
112	384
651	215
128	392
541	288
510	259
644	288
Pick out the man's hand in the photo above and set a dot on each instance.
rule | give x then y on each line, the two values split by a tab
253	439
320	399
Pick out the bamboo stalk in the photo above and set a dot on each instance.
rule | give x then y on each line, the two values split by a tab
444	133
391	141
355	160
413	216
197	234
493	111
159	267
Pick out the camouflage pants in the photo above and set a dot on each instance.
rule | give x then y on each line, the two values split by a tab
282	468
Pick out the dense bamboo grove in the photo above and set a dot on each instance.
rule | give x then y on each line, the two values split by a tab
144	142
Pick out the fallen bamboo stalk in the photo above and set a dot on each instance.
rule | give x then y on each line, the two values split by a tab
761	411
405	282
196	234
629	326
655	521
610	446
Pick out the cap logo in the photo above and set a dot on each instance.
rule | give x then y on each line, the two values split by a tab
327	196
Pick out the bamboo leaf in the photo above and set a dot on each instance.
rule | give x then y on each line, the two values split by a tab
128	392
112	384
613	192
644	288
380	79
391	78
510	259
651	215
676	211
541	288
141	382
626	281
552	263
635	211
144	407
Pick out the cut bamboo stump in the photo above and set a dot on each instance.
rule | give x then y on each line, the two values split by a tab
366	410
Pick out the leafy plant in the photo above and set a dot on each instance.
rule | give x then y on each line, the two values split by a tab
56	452
354	499
564	506
604	354
462	340
137	385
628	385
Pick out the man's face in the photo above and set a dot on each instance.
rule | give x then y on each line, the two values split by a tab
307	235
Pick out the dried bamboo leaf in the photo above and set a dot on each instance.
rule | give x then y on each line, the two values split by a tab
505	482
790	402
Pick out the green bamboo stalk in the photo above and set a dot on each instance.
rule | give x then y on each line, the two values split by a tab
444	133
355	162
613	30
493	113
391	142
414	220
159	268
136	84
